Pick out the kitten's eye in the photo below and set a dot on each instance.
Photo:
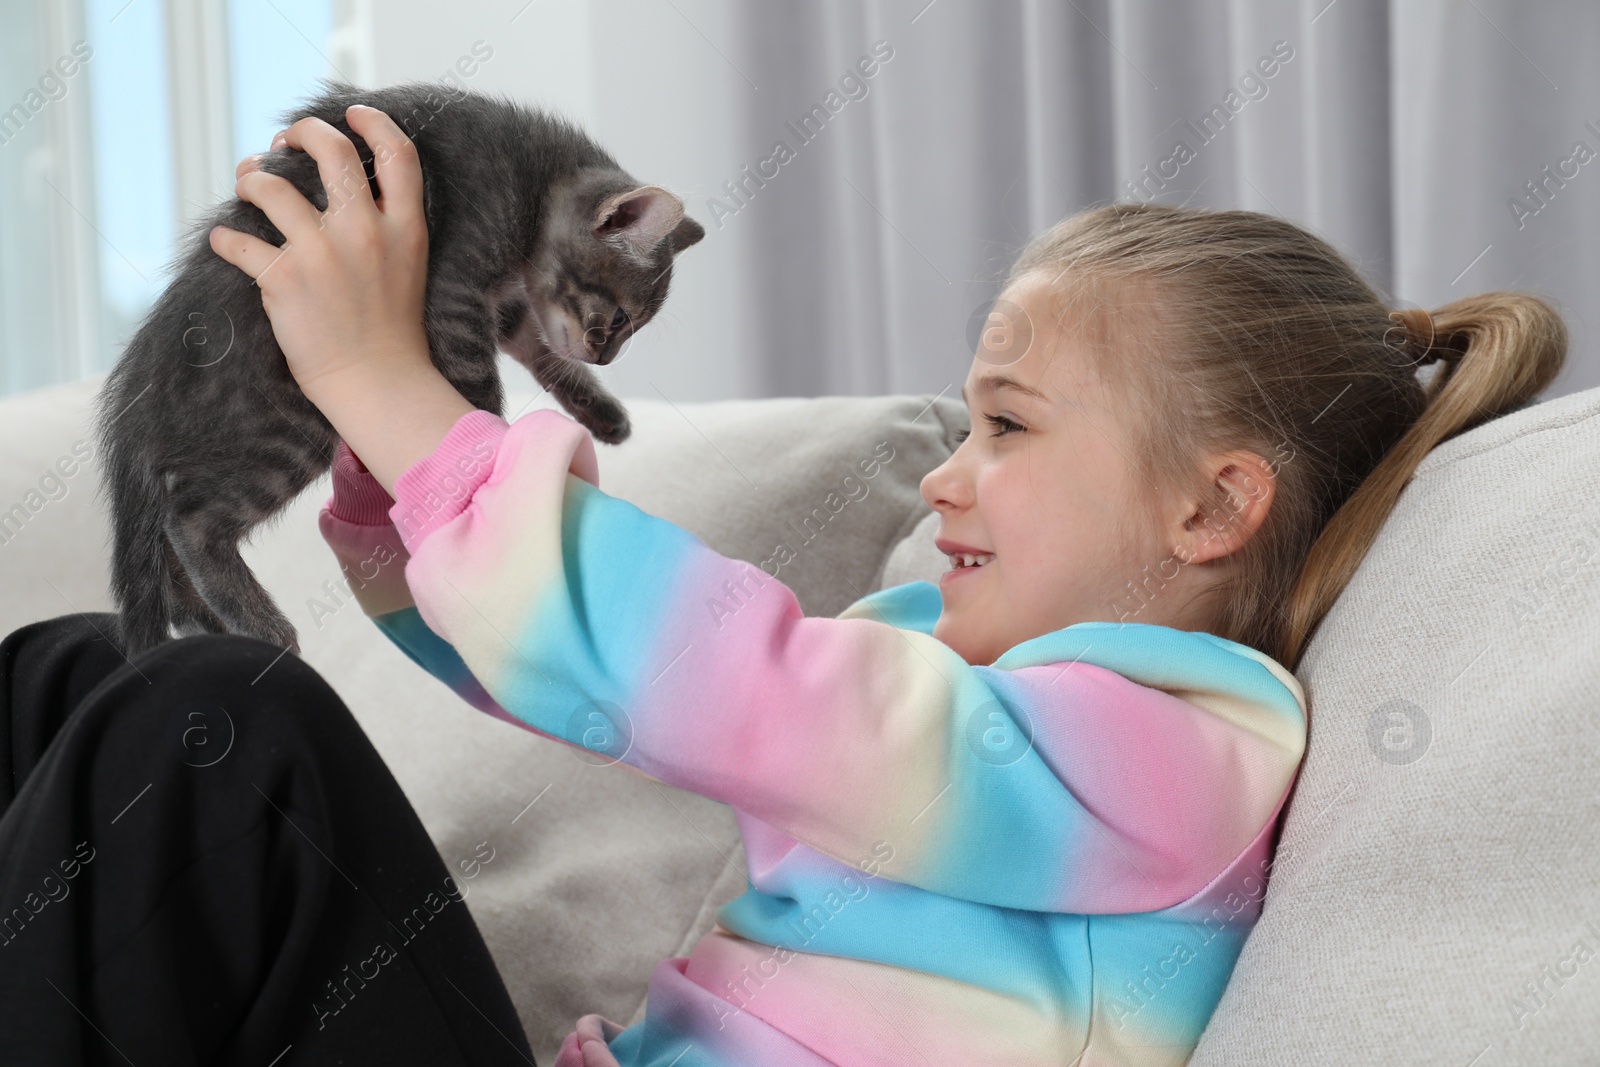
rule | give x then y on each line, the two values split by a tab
618	319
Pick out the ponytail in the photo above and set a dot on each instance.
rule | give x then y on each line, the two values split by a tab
1495	351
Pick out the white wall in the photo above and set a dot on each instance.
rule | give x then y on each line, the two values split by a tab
635	76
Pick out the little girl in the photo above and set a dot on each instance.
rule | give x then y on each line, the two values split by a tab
1024	816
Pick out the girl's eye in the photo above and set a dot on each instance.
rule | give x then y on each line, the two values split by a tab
1001	424
618	319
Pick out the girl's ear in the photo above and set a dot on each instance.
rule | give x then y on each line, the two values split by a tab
1240	492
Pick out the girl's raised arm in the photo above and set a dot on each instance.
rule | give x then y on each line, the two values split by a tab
1102	768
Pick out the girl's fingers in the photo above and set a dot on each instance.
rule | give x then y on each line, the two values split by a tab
280	201
250	254
338	165
395	162
247	164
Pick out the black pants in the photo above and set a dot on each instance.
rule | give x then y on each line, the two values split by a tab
203	860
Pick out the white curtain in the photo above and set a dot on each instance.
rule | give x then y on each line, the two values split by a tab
1402	132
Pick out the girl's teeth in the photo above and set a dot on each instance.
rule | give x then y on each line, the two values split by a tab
964	560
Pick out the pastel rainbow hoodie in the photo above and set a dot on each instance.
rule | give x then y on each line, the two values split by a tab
1054	859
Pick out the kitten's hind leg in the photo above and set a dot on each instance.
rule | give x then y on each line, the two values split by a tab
204	531
189	611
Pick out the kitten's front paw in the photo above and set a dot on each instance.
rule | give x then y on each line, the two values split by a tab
605	418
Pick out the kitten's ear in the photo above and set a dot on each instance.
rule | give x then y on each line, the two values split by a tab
640	218
688	232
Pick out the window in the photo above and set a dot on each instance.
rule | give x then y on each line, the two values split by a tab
103	171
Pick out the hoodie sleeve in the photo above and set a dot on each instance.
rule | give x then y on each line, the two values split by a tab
356	525
1058	785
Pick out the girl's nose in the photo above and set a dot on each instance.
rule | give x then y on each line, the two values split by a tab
940	486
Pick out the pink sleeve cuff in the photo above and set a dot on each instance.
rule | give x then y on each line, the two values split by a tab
440	486
358	497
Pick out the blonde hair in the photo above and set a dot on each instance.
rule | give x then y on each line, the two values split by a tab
1234	329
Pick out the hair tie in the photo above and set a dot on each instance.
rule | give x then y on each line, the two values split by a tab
1421	339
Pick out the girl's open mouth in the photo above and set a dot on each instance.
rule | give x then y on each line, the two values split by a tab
963	564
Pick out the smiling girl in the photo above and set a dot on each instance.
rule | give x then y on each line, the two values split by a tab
1060	770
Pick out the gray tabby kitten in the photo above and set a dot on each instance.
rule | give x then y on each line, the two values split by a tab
538	242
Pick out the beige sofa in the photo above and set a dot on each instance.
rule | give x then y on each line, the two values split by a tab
1439	875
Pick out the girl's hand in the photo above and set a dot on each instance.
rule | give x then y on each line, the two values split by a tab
346	289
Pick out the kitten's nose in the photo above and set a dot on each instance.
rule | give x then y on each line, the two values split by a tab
595	342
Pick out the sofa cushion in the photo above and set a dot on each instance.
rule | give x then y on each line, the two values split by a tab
1433	898
596	873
